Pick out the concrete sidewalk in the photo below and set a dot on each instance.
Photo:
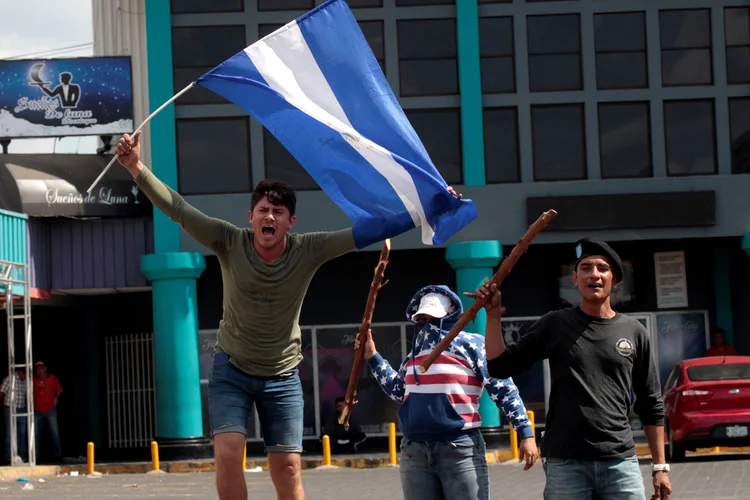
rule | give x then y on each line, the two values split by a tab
368	461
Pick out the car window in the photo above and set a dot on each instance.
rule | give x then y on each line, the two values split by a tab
725	371
672	379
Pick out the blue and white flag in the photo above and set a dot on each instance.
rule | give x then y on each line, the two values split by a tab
316	86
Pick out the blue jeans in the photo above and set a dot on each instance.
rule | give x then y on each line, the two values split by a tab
48	420
569	479
445	470
279	400
20	435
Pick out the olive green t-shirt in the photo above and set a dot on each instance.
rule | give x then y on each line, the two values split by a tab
262	302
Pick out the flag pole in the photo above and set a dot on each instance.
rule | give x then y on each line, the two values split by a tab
192	84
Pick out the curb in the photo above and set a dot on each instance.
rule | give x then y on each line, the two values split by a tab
493	457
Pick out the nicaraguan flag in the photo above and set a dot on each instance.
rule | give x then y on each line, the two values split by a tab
316	85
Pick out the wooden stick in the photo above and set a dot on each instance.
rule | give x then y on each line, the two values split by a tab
359	354
502	272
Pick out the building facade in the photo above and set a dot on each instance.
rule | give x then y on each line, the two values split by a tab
631	119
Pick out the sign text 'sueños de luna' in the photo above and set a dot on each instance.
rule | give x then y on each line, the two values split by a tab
64	97
103	196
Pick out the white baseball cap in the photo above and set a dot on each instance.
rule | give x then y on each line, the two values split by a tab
436	305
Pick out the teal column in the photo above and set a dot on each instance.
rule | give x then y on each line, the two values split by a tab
723	293
470	86
474	261
171	272
176	363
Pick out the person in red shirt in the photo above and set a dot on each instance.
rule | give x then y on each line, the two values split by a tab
718	346
47	390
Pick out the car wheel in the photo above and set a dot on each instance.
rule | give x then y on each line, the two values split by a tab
676	452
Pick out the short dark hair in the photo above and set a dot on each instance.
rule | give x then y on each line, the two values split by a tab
340	399
277	192
718	330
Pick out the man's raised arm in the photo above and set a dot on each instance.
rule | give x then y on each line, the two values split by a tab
215	234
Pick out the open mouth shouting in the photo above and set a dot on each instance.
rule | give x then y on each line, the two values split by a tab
595	286
268	230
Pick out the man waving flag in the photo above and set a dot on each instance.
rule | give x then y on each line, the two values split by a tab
316	85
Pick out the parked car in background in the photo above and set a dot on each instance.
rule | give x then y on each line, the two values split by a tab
707	404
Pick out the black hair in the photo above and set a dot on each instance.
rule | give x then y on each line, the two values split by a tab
277	192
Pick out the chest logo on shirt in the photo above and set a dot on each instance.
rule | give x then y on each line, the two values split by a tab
624	347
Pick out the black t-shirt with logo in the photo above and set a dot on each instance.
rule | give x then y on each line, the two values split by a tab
594	363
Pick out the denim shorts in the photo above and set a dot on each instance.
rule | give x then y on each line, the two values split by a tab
279	401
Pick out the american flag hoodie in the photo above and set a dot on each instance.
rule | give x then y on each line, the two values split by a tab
443	403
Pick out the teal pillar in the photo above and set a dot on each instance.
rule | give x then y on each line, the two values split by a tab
746	243
723	294
470	86
474	261
176	363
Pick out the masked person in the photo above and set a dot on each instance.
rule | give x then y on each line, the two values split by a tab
596	356
442	450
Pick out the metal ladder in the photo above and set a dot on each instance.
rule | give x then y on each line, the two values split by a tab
14	284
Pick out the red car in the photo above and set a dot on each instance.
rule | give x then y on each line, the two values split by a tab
707	404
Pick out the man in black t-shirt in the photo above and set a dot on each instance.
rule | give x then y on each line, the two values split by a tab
596	356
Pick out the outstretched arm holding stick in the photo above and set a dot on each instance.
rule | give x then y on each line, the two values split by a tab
359	351
502	272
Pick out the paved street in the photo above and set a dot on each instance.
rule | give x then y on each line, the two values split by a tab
716	478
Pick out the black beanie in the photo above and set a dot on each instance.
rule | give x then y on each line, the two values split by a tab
588	246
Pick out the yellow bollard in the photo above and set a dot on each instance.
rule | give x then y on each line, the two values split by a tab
532	419
326	450
244	458
513	443
90	458
392	443
155	456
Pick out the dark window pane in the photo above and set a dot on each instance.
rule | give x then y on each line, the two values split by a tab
364	3
281	165
373	31
686	67
620	32
558	34
685	29
427	39
440	132
198	94
624	140
621	70
498	75
495	1
266	29
739	119
206	46
737	26
690	137
419	3
190	6
285	4
420	78
496	36
558	142
738	64
555	72
501	145
213	156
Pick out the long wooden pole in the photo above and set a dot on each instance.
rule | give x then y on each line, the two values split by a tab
359	354
502	272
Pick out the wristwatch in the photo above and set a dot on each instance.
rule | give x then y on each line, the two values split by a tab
659	468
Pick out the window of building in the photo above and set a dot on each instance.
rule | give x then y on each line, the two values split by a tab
686	47
213	155
495	1
739	129
196	6
428	58
197	50
554	44
281	165
501	145
558	141
419	3
690	137
264	5
737	39
625	140
496	51
621	51
440	133
353	4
